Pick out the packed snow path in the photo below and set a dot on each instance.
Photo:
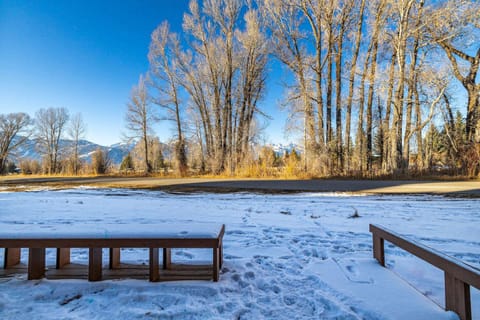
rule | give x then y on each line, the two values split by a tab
298	256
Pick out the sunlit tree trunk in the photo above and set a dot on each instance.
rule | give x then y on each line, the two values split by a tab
353	70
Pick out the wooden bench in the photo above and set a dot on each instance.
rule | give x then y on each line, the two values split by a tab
115	237
458	275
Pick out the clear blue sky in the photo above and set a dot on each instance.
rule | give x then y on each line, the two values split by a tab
85	56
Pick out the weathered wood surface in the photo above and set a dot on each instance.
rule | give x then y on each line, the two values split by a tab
122	271
459	276
11	257
37	246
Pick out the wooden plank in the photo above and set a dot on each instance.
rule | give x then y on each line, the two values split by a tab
216	264
133	271
69	271
11	257
14	270
178	272
221	256
63	257
457	297
110	243
36	263
167	258
379	249
95	264
154	265
114	261
187	267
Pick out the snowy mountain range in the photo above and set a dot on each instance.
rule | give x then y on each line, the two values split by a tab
116	151
280	148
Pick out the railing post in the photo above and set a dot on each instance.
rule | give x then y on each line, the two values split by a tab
457	297
379	249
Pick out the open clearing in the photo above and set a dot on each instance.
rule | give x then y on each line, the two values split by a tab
287	256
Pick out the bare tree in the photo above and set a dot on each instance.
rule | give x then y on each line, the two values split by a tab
14	131
353	70
76	132
140	118
253	53
50	126
162	56
284	20
455	28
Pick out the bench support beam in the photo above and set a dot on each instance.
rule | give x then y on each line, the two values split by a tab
216	264
63	257
167	258
457	297
154	265
221	256
36	263
95	264
11	257
114	258
379	249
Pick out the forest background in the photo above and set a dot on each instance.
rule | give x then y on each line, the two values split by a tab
374	88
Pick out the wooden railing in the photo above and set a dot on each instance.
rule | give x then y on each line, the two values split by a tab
459	276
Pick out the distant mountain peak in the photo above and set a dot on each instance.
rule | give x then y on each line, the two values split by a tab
115	151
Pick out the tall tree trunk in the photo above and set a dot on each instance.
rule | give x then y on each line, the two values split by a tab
412	83
418	121
338	105
387	163
360	136
353	69
371	82
401	47
330	77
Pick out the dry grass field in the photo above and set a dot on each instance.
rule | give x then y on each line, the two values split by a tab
465	188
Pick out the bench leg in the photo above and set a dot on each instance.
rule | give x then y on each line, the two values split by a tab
167	258
11	257
216	264
457	297
95	264
221	257
63	257
154	263
114	258
36	263
379	250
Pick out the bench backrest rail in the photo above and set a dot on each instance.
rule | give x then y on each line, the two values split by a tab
459	276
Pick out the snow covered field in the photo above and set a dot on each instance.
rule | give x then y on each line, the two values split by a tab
297	256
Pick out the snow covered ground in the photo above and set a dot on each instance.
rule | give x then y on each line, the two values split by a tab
297	256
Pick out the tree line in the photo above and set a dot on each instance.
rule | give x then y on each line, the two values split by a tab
377	87
368	82
49	127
